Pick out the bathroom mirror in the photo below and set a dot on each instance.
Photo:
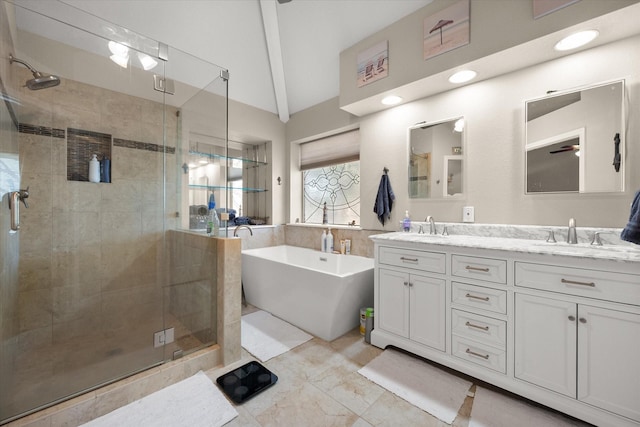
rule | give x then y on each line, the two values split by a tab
575	141
436	159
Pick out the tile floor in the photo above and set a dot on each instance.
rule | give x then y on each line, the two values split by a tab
318	385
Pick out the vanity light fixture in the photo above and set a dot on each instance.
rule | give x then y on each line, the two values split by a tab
120	53
462	76
458	125
391	100
148	63
576	40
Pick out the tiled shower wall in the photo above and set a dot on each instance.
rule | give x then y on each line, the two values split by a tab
91	255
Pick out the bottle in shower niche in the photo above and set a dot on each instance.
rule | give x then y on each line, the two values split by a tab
323	241
329	241
406	222
105	170
94	169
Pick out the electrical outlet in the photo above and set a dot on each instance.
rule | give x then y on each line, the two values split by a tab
468	214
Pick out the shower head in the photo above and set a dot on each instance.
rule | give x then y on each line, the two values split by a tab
39	80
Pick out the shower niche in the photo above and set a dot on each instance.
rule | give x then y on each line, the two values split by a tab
81	146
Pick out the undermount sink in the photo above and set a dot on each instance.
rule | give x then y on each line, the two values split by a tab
583	247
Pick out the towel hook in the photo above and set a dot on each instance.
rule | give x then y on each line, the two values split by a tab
385	170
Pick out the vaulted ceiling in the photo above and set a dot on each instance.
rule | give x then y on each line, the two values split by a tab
282	57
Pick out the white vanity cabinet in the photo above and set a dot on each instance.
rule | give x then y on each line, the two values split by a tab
584	349
413	304
557	329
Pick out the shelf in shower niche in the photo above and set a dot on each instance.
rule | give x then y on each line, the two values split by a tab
222	187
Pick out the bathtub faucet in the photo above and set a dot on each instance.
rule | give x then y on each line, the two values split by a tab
235	232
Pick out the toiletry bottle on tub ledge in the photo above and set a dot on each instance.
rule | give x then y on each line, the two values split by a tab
329	241
323	241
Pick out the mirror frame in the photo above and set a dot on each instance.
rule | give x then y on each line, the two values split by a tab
441	194
578	132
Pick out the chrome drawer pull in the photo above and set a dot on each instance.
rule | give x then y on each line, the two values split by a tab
472	268
471	325
477	297
473	353
573	282
409	259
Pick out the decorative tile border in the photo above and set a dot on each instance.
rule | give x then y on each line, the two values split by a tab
147	146
40	130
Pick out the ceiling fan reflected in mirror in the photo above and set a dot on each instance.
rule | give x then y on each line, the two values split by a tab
564	148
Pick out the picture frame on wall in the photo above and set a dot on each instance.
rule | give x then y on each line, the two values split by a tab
447	30
373	64
545	7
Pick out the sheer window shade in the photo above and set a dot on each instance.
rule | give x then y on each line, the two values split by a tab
340	148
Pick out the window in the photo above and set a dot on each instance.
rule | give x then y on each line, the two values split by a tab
331	175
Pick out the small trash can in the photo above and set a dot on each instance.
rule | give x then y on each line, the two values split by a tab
368	325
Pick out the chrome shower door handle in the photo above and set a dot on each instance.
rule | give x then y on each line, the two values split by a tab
14	207
15	197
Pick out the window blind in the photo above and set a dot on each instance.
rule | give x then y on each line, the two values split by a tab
339	148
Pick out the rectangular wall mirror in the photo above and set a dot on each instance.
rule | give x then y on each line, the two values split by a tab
436	159
574	141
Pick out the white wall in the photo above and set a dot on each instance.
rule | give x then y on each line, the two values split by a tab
494	166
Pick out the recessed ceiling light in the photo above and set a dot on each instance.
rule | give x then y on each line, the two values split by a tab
462	76
391	100
576	40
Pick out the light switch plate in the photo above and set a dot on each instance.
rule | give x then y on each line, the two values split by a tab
468	214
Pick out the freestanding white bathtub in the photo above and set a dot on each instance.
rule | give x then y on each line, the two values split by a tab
319	292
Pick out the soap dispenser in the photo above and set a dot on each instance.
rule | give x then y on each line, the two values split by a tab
94	169
406	222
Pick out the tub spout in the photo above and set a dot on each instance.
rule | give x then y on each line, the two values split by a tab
235	232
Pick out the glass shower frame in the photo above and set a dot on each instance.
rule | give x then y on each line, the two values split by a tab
88	293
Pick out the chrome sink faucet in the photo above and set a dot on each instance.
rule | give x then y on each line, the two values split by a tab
572	237
432	225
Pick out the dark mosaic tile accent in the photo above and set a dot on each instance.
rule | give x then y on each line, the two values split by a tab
81	145
147	146
40	130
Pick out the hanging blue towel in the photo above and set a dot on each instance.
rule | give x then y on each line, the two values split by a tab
631	233
384	199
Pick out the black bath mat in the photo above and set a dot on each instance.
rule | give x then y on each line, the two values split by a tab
243	383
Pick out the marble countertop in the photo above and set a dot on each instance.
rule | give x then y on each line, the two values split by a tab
624	252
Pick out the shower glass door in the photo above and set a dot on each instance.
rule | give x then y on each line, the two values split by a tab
85	292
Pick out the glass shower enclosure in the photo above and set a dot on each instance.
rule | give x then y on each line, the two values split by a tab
87	291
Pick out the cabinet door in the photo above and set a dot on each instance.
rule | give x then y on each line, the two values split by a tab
545	343
608	355
427	311
392	311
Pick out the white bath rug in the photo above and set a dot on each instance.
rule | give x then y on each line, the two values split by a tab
266	336
491	409
419	383
194	402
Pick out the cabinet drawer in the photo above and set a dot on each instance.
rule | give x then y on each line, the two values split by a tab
618	287
491	270
479	328
480	354
494	300
421	260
